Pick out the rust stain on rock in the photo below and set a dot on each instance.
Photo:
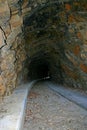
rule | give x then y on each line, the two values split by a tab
77	50
71	18
67	7
69	72
79	35
83	67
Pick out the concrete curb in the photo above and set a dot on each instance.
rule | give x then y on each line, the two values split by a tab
12	110
22	114
75	97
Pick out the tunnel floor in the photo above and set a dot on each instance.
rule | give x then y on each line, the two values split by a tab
48	110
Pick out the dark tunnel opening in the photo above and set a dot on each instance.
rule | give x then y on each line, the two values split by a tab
39	69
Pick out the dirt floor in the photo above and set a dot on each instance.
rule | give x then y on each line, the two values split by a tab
47	110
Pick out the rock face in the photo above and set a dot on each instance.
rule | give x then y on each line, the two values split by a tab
12	47
43	34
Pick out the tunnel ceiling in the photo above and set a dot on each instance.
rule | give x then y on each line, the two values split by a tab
44	27
38	33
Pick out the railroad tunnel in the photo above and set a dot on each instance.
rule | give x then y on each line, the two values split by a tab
43	38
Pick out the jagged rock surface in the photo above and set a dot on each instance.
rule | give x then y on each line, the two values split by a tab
54	32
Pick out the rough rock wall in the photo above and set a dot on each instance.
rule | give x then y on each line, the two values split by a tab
12	52
60	30
62	38
73	45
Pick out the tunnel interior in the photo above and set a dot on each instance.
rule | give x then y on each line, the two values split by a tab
38	69
53	44
42	41
41	38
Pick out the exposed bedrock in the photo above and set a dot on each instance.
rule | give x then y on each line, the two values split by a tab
43	38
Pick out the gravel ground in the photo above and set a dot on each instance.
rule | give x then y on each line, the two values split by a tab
47	110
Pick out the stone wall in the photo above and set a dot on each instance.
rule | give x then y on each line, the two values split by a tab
56	30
